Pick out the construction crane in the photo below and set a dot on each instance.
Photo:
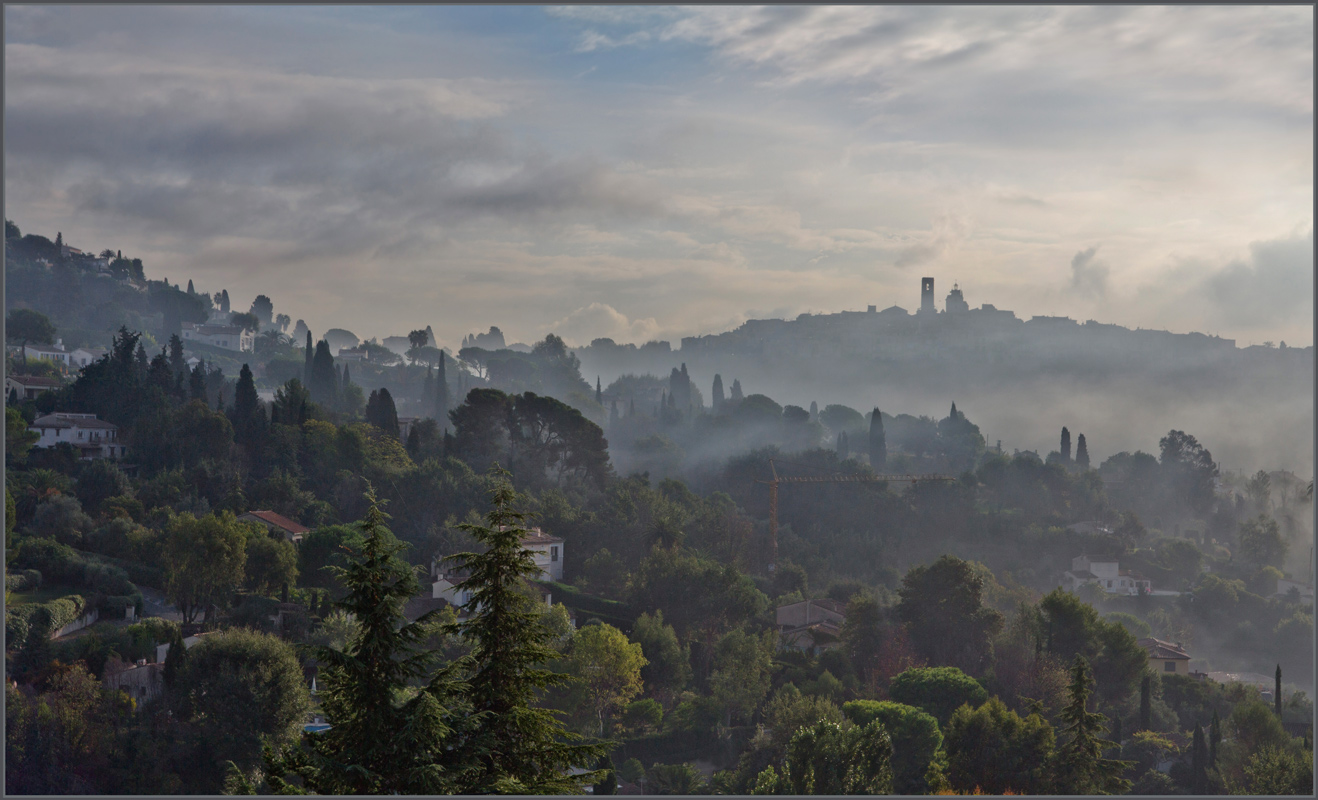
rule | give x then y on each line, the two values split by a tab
773	494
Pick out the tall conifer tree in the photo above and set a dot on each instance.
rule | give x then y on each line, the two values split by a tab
878	442
1081	452
523	749
716	395
1066	444
306	370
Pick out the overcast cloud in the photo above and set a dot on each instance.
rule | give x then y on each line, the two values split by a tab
652	172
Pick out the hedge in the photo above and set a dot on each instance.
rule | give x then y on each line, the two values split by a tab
23	580
41	620
61	563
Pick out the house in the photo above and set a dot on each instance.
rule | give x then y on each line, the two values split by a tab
1264	683
1285	587
162	650
29	386
227	337
277	523
141	681
351	354
1106	572
48	352
405	426
545	549
93	437
444	591
548	553
83	356
1165	657
811	625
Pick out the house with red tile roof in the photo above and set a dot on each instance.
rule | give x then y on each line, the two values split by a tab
1168	658
277	523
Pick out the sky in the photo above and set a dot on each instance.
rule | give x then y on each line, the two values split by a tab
652	172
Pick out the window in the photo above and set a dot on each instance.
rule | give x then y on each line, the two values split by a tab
553	554
1169	666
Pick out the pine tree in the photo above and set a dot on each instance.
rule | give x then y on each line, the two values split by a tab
385	737
716	395
1081	453
523	749
878	442
1276	694
1066	444
1081	768
1146	703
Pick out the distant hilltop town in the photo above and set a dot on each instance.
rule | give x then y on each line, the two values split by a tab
987	332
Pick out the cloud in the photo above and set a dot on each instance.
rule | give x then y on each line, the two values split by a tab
1088	277
1274	283
600	320
593	40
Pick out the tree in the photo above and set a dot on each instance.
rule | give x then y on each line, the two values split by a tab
668	667
1274	771
1261	542
743	668
1080	765
245	320
18	437
323	549
416	340
1146	703
386	737
1082	453
480	427
224	302
948	623
1189	470
608	665
1199	762
203	560
310	358
242	690
736	396
878	444
324	382
248	414
520	748
937	690
441	394
263	310
98	481
292	405
26	326
915	735
828	758
271	564
1276	693
993	749
381	413
1066	445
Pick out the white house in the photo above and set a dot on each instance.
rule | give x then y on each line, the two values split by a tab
811	625
83	356
547	551
95	438
351	354
48	352
1285	586
1104	571
29	386
228	337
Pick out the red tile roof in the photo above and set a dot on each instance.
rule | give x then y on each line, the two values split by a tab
278	520
34	380
537	536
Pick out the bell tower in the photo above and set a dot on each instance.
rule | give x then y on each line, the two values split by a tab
927	296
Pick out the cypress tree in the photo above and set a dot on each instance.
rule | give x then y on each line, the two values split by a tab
13	396
953	414
1081	453
381	412
613	414
247	414
842	450
1214	739
737	396
1146	703
347	381
878	443
1276	695
428	389
306	370
174	658
599	392
197	381
631	412
608	784
686	387
1066	444
716	396
324	382
441	394
176	361
814	411
190	289
224	301
1199	762
522	749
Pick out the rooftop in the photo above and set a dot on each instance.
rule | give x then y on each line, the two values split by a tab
278	520
1157	648
72	421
